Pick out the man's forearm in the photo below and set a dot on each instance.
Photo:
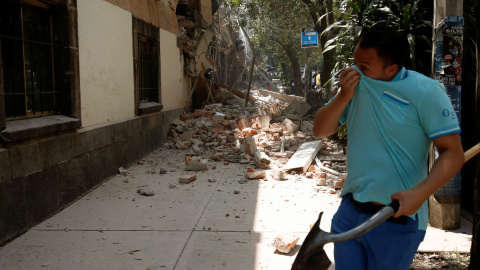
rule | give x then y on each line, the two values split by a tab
448	163
445	167
327	117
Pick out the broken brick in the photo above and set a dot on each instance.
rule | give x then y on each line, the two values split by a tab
338	184
242	123
256	175
218	117
218	130
187	179
248	145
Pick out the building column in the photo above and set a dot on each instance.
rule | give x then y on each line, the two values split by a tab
448	48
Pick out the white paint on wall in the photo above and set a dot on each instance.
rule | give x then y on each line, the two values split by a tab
174	84
106	62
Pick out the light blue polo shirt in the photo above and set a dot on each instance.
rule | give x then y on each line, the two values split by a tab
390	129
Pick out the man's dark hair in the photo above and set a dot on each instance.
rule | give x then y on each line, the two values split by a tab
388	41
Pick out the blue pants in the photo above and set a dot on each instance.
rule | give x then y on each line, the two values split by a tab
387	246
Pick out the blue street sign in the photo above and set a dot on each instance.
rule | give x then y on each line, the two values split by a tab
309	39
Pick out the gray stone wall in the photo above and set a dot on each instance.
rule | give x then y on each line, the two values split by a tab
41	176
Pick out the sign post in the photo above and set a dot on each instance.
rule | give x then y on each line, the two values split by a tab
309	39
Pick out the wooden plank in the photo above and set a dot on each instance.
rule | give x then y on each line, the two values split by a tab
281	97
238	93
304	156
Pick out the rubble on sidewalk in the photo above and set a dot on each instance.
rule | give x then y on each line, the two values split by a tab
274	138
145	191
187	179
284	242
218	131
256	175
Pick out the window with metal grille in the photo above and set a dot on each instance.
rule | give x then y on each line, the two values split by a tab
147	64
34	56
146	57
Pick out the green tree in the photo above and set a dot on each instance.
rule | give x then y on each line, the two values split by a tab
411	17
275	29
324	14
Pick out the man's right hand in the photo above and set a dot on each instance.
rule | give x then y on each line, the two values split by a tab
348	80
327	117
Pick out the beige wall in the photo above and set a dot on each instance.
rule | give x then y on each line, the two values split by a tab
106	62
175	85
159	13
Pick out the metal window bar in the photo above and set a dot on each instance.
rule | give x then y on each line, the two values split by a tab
147	64
39	91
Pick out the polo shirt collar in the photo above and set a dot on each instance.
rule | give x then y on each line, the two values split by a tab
402	74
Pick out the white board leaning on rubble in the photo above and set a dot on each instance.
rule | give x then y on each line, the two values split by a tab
304	156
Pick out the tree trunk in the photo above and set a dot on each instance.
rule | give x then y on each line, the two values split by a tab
297	76
475	249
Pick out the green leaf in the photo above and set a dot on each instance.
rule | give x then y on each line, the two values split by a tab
329	48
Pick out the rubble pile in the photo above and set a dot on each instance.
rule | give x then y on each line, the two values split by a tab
265	138
225	133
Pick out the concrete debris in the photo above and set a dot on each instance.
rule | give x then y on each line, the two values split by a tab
262	136
297	108
225	133
121	170
262	160
145	191
278	175
196	150
256	175
284	242
292	117
304	156
172	186
196	164
307	126
322	182
289	126
242	181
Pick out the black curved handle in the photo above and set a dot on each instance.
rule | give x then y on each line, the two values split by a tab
394	205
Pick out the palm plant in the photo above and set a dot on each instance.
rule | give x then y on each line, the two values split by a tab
410	17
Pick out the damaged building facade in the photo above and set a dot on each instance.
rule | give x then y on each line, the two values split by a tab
87	87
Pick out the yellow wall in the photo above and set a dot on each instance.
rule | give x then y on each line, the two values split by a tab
106	62
175	85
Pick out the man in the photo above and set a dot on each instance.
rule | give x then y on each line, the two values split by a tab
393	115
314	75
292	88
318	81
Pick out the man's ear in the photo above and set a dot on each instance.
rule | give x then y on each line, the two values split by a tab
392	71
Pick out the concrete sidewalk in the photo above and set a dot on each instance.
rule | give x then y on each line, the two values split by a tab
215	222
